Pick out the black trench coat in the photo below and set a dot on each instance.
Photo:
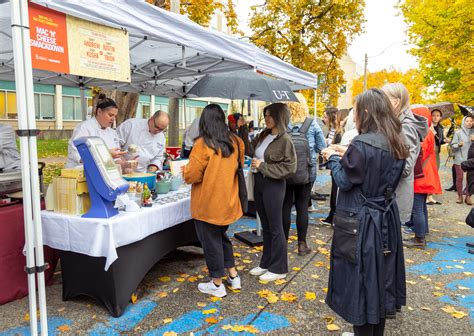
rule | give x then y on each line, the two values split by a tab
367	275
468	166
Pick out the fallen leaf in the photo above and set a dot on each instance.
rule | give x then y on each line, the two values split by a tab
319	264
164	278
448	266
64	328
170	333
263	282
463	288
175	290
237	255
180	279
323	250
410	308
260	307
192	278
325	289
211	320
272	298
296	269
288	297
438	294
315	276
426	308
409	261
215	299
240	267
134	298
247	261
27	317
280	281
448	309
239	328
61	309
209	311
459	314
411	282
162	294
459	266
167	320
201	304
320	242
310	295
333	327
467	273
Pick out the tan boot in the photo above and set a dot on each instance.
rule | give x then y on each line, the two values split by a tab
468	200
459	201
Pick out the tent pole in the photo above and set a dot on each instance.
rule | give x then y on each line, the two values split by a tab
315	101
29	161
83	102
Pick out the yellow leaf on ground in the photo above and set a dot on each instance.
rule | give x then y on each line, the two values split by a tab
447	266
322	250
296	269
180	279
260	307
320	242
426	308
162	294
215	299
333	327
192	278
27	317
448	309
288	297
467	273
209	311
263	282
411	282
241	328
325	289
438	294
459	314
201	304
175	290
410	308
64	328
167	320
134	298
240	267
459	266
315	276
463	288
293	238
247	261
211	320
280	281
409	261
170	333
310	296
319	264
164	278
237	255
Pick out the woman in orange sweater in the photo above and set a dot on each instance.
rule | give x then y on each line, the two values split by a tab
215	202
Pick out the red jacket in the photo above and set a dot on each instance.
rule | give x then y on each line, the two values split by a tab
430	183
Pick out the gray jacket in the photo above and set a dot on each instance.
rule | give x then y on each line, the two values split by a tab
462	135
414	129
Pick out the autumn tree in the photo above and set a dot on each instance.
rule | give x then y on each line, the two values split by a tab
312	35
412	79
442	32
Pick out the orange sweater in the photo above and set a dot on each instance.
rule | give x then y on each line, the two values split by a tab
215	189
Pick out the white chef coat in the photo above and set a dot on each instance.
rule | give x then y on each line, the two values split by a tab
90	127
151	147
191	133
9	156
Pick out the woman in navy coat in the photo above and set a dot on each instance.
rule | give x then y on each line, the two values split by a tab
367	275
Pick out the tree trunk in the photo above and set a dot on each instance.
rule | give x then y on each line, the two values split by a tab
173	128
127	103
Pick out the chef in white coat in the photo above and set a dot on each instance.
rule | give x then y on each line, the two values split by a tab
148	135
9	156
99	125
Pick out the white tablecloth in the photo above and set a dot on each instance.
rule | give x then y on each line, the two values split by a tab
98	237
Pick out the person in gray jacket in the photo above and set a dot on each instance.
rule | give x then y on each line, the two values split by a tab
460	144
414	129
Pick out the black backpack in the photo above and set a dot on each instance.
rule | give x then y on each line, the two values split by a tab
305	170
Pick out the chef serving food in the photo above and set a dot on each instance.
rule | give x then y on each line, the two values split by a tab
101	126
145	141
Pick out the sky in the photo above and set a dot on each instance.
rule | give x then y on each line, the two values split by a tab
384	38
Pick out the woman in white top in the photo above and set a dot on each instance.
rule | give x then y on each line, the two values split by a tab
101	126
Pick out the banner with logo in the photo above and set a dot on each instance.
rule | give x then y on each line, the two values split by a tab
66	44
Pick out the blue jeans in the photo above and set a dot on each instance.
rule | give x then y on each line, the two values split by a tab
419	216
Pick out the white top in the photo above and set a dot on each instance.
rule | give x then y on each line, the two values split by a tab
151	147
191	133
90	127
262	147
9	157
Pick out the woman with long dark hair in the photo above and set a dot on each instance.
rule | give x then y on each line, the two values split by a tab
274	160
215	203
367	275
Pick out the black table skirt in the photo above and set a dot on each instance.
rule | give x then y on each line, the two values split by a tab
85	275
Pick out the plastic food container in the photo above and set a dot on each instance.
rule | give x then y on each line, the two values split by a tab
176	182
147	178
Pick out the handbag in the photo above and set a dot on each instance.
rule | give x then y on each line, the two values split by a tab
242	184
249	183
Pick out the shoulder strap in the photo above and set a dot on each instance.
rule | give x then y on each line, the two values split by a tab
306	125
238	152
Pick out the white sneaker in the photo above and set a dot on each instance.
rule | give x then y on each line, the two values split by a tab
269	276
258	271
211	288
235	282
347	333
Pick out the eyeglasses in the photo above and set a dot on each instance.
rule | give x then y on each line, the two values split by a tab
157	127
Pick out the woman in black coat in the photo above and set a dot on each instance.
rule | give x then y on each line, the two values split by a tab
367	275
468	166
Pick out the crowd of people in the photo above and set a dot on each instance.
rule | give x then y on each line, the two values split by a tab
383	158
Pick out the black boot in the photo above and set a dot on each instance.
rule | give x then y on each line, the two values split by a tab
452	188
303	248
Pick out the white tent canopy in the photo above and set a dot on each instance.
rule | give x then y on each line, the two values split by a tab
168	52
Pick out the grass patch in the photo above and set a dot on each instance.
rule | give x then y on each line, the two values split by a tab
50	148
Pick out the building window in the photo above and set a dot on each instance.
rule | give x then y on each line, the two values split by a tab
72	108
343	89
8	105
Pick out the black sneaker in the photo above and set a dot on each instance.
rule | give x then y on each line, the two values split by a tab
318	197
470	244
452	188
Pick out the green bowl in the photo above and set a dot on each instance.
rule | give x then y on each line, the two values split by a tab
162	187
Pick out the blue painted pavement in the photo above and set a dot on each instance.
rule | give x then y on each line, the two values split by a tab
53	324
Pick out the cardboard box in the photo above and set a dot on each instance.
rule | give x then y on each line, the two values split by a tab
77	173
70	196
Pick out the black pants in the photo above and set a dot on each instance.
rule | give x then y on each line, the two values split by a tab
217	247
269	195
370	329
332	200
299	195
453	174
